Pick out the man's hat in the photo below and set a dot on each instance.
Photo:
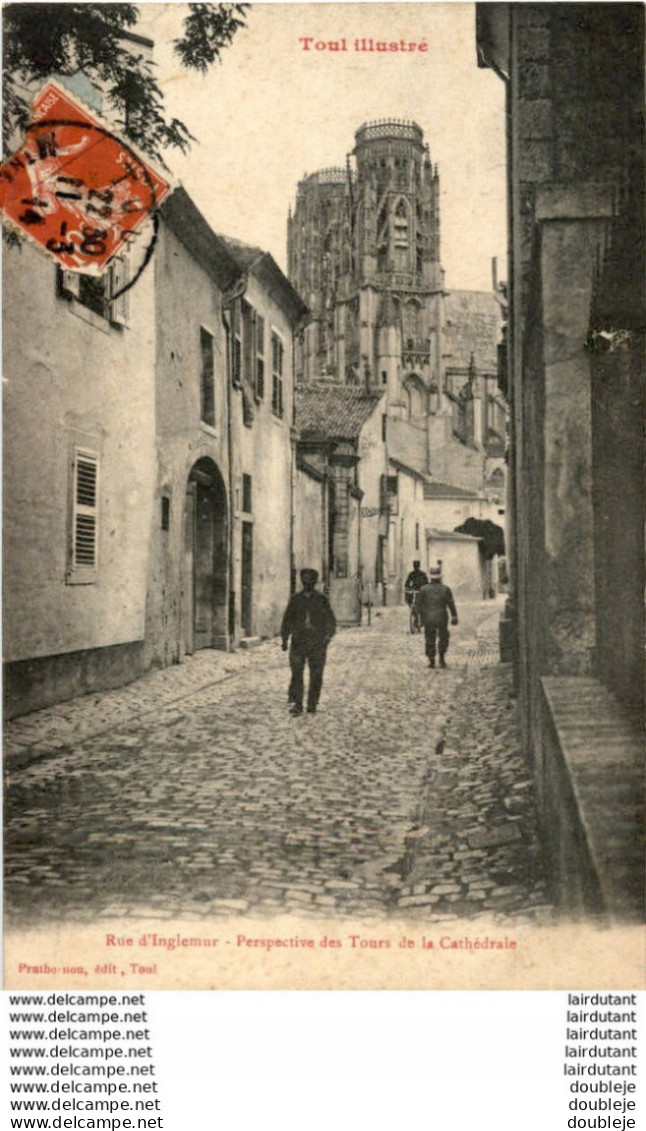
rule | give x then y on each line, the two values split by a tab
309	575
435	571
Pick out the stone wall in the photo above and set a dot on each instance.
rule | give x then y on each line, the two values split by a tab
73	379
575	90
186	301
450	460
462	564
263	451
309	524
591	799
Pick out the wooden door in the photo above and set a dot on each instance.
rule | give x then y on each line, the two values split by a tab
204	554
246	592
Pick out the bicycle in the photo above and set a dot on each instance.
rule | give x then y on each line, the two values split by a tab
414	622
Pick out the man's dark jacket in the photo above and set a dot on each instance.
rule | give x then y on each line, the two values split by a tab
434	602
309	621
416	579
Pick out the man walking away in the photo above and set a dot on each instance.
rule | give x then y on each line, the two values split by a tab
310	622
434	602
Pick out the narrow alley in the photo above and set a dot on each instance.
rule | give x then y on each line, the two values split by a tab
192	793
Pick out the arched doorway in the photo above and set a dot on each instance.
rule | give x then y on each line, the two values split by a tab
205	559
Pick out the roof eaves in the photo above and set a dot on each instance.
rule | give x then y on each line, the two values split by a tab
309	469
450	536
266	268
436	490
407	469
180	213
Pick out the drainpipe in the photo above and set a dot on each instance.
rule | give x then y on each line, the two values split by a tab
231	595
235	291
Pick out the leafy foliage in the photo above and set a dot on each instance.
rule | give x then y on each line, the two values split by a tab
41	40
207	30
492	535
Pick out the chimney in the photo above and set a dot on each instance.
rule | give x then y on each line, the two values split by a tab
494	273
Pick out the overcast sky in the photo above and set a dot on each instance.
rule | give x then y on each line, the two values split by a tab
271	112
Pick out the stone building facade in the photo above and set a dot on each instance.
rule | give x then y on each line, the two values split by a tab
79	458
190	537
575	95
364	252
147	460
262	323
341	468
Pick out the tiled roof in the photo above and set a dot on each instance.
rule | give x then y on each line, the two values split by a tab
435	490
253	259
472	326
245	254
335	411
184	218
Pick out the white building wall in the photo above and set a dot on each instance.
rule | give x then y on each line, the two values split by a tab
187	300
462	567
69	374
309	532
372	465
264	452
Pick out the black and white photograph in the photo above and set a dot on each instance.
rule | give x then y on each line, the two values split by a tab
323	542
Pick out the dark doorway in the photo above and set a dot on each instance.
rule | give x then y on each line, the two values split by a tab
246	595
204	581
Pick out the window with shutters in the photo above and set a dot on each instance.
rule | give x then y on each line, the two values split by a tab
101	300
248	355
247	504
84	541
207	381
389	494
277	361
248	318
260	357
236	345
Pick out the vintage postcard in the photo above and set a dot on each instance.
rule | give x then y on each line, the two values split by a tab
323	496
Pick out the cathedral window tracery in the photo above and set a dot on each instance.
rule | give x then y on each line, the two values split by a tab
401	235
410	325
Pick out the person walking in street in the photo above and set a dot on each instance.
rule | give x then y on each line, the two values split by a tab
434	602
310	622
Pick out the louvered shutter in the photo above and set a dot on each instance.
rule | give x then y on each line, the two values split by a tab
118	278
260	357
236	345
85	511
70	283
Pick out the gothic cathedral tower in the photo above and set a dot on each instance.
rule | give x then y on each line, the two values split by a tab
364	252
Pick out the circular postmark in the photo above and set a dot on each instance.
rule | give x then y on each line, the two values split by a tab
80	192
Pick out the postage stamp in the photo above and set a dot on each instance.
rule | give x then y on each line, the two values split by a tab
75	188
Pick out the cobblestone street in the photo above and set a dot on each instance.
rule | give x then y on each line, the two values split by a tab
193	794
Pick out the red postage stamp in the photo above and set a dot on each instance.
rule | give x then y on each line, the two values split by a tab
76	189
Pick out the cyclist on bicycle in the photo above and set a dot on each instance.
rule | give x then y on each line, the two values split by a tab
414	582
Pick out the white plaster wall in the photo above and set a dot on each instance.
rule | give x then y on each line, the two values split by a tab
450	460
372	465
461	567
65	376
308	523
264	452
446	514
186	299
405	526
